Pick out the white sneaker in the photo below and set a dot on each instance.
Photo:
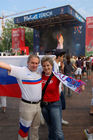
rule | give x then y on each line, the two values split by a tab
65	122
88	136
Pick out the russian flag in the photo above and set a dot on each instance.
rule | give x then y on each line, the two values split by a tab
8	85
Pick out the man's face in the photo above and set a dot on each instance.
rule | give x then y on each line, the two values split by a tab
33	64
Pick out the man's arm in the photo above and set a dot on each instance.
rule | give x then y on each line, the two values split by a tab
5	66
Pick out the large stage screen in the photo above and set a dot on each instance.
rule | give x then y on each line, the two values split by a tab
67	38
70	38
56	38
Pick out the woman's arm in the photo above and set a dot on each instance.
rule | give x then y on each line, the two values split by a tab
5	66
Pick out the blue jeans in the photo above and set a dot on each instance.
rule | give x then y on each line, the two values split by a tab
62	99
53	116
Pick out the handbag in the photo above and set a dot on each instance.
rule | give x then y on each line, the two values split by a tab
44	88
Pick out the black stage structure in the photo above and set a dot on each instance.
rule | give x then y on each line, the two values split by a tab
50	24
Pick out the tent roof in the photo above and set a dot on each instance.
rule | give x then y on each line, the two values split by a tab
65	14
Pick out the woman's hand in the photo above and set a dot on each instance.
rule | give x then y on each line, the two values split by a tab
83	87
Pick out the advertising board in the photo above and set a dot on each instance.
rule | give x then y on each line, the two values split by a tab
89	36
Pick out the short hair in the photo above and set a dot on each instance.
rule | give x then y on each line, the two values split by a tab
79	57
68	57
47	58
33	55
59	53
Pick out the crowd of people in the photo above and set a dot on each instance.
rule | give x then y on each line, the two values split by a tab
44	94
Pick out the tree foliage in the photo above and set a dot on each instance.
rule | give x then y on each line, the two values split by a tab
29	38
6	43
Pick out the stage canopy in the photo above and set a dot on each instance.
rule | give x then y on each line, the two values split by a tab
61	15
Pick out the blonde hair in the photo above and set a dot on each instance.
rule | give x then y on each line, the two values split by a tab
47	58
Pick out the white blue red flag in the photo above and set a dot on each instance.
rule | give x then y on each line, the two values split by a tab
73	84
8	84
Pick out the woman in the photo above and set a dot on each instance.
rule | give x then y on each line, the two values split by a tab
51	108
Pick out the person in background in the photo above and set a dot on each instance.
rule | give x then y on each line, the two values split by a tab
59	60
78	72
84	69
29	81
73	61
88	66
51	108
68	70
3	103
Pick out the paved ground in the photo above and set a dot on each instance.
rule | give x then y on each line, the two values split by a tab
77	113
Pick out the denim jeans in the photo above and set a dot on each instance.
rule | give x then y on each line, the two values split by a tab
62	99
53	115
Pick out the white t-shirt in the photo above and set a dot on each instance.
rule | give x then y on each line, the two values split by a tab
29	82
56	67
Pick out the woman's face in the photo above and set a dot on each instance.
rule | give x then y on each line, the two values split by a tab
47	68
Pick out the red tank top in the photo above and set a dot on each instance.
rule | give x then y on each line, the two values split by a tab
52	90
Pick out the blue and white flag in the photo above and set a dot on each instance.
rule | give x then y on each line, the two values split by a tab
73	84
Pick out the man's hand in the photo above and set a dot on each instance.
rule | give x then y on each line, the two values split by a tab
5	66
83	87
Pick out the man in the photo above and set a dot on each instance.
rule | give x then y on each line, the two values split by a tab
78	71
30	84
57	61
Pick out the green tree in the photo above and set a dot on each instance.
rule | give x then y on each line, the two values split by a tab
6	35
6	43
29	38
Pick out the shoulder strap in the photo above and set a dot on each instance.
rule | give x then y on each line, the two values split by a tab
44	88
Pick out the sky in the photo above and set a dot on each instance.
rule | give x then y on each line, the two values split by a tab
9	7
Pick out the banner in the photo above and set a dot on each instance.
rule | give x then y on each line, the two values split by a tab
89	36
18	39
